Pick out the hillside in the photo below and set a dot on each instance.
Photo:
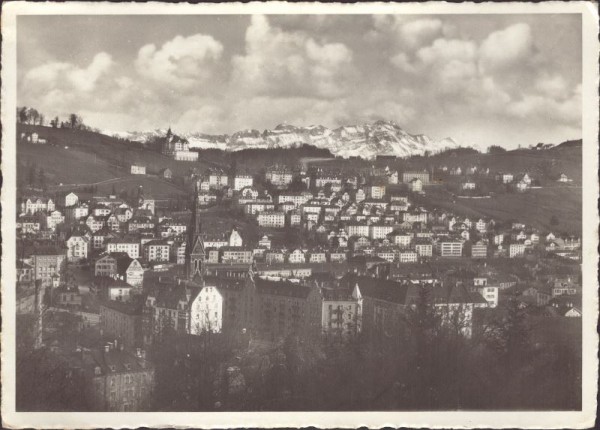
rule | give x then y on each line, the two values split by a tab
77	158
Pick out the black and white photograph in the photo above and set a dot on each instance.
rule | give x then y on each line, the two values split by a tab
367	214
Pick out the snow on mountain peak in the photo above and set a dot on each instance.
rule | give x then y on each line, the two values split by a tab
364	140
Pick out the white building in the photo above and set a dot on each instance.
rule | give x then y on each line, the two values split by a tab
156	251
37	204
77	248
407	257
130	247
53	219
490	294
416	185
242	181
271	219
71	199
185	155
516	250
449	248
138	169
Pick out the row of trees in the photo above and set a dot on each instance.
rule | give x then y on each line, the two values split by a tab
29	115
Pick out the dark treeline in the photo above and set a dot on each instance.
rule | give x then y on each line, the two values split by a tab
416	362
29	115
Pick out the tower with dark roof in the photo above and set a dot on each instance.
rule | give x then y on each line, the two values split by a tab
194	250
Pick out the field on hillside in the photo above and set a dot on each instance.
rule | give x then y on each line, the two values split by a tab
78	169
534	207
113	151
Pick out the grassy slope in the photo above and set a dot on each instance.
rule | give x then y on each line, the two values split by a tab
534	207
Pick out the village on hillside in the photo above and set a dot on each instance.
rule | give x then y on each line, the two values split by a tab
280	273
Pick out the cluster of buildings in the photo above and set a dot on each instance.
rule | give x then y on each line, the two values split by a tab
368	254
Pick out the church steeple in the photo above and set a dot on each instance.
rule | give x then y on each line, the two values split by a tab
194	250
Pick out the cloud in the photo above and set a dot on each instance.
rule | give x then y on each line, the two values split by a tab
68	76
181	62
500	75
506	48
286	64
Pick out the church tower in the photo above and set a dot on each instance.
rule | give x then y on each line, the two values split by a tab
194	249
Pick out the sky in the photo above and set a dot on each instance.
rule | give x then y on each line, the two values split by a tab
483	80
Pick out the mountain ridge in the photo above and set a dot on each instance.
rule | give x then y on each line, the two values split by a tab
365	140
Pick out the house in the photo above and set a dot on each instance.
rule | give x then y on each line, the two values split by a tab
522	186
564	178
380	231
479	249
376	191
423	176
468	185
317	256
217	179
341	312
490	294
516	250
186	156
71	199
117	379
77	247
274	256
76	212
271	219
95	223
235	254
137	169
354	230
280	176
407	256
27	224
33	205
128	245
106	266
401	238
296	256
265	242
449	248
185	309
54	219
166	173
505	178
157	251
423	248
107	288
241	181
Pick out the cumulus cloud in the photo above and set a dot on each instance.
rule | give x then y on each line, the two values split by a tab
285	64
501	74
181	62
68	76
504	49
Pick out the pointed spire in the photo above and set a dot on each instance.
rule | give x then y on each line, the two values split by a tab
356	292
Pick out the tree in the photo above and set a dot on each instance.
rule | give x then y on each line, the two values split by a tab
554	221
22	114
54	122
73	121
495	149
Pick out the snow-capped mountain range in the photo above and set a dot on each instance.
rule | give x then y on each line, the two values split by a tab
366	141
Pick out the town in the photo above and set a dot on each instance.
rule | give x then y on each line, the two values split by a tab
200	303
